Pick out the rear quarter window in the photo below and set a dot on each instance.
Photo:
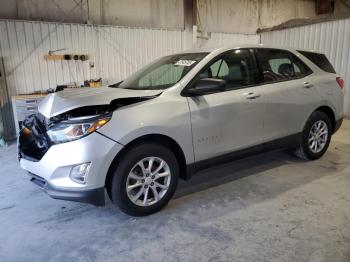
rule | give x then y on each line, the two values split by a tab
320	60
280	65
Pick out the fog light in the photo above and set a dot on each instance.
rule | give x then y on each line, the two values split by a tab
79	173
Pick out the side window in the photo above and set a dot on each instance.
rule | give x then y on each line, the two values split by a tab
237	68
300	69
218	69
215	68
275	63
320	60
224	70
279	65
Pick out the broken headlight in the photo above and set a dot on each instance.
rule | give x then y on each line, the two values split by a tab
76	128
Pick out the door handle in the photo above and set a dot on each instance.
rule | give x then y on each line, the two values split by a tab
252	95
307	85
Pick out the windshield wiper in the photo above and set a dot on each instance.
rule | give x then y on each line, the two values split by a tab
116	84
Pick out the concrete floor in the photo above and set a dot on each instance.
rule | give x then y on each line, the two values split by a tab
270	207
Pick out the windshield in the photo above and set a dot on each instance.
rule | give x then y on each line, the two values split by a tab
162	73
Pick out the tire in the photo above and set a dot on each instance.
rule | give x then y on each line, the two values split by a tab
122	177
306	150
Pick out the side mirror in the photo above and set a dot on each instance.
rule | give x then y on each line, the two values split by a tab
207	86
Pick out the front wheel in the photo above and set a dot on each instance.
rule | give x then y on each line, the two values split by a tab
315	138
144	180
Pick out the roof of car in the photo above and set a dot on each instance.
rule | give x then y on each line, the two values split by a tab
228	47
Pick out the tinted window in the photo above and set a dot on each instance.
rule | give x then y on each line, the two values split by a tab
219	69
236	67
300	69
320	60
279	65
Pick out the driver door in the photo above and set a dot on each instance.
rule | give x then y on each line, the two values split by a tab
232	119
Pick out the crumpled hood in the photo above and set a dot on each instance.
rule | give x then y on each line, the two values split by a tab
68	99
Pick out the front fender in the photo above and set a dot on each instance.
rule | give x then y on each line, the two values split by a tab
166	116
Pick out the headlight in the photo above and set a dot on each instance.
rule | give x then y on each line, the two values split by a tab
76	128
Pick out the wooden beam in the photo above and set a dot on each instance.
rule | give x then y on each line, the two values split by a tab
53	57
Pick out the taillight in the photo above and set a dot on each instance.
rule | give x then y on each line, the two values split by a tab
340	82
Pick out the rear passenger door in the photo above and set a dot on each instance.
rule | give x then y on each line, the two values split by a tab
228	120
288	92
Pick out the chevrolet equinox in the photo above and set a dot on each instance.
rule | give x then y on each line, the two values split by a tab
180	114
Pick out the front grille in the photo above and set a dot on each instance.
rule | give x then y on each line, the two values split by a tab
33	142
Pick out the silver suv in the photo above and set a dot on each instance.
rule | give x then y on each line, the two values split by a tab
178	115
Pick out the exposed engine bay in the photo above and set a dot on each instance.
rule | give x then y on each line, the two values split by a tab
35	139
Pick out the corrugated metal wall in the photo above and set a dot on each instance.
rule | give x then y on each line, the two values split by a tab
115	51
331	38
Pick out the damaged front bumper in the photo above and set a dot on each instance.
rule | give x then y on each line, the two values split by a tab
62	142
92	196
52	171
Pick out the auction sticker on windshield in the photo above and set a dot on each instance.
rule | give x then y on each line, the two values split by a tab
185	63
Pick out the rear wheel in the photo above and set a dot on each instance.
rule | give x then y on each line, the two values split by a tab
144	180
315	137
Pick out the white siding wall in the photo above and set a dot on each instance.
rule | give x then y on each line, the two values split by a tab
219	39
115	51
331	38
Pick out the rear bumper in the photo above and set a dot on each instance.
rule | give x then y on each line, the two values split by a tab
92	196
337	125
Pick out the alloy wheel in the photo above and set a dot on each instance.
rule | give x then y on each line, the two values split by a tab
148	181
318	136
